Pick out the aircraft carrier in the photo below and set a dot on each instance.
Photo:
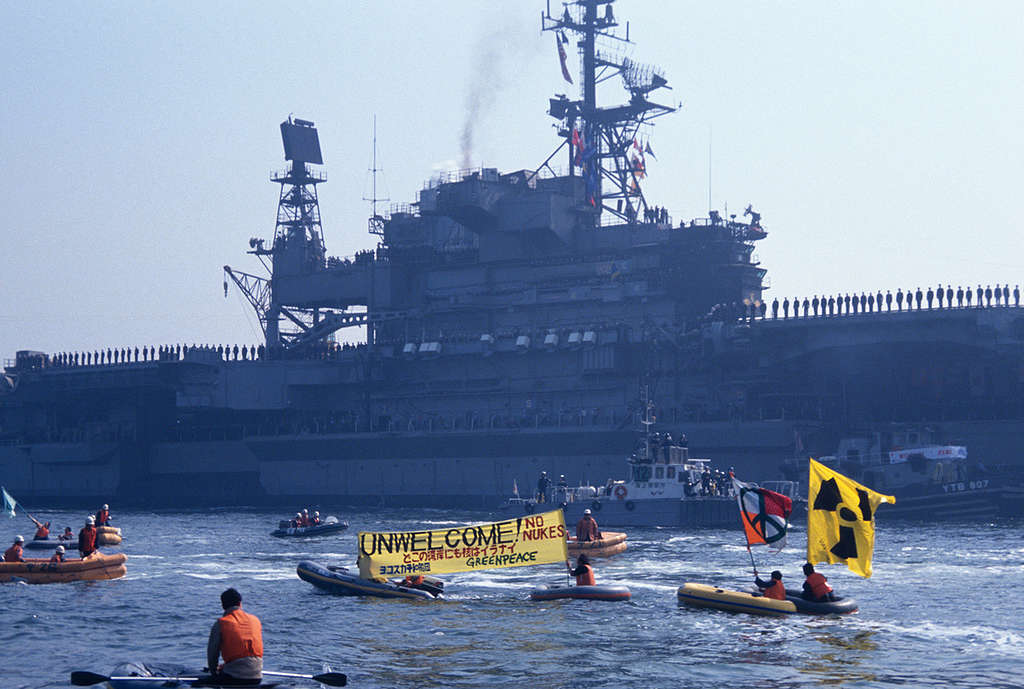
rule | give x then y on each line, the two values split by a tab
512	322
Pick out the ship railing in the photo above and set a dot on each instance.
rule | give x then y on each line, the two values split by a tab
287	176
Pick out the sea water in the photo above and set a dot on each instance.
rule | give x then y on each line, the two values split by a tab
943	609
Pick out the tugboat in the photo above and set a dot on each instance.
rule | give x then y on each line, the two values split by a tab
930	479
664	487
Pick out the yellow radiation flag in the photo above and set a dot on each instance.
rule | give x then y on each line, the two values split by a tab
532	539
840	520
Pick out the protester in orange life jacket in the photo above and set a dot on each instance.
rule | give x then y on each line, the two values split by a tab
584	573
13	554
58	555
816	586
237	637
42	530
87	538
103	516
586	528
412	580
773	588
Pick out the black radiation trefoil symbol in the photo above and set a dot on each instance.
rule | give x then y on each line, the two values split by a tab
828	500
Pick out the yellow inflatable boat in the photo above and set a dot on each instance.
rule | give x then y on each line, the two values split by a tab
704	596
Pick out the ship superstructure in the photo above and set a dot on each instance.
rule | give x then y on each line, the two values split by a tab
512	320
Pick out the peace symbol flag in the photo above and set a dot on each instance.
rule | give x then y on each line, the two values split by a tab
764	513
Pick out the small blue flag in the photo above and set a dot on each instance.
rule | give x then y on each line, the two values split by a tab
9	503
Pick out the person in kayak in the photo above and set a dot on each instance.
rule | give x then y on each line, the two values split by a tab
773	588
816	586
586	528
237	637
103	516
58	555
87	537
42	530
584	573
13	554
68	535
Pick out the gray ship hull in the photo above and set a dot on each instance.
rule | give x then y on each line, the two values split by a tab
429	470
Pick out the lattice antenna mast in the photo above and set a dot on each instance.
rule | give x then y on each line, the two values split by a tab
376	223
298	248
602	143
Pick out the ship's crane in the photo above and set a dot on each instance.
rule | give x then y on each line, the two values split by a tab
603	143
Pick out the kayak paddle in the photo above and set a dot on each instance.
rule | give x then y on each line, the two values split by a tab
333	679
81	678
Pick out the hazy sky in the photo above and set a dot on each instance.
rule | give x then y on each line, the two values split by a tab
882	141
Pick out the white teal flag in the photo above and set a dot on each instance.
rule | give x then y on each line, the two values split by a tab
9	503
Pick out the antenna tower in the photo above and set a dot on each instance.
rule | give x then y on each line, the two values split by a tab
298	247
376	223
602	142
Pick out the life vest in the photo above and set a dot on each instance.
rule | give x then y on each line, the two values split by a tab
586	529
819	586
102	517
587	578
13	554
42	533
87	539
413	580
777	590
241	636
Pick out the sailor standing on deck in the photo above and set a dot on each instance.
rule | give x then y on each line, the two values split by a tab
238	637
586	528
543	483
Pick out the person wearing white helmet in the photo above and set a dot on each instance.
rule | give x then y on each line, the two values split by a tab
87	537
103	516
13	554
586	528
316	518
58	555
297	522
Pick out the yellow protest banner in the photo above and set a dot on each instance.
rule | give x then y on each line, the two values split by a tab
534	539
840	520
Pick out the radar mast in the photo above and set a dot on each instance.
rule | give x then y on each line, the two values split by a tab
602	142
